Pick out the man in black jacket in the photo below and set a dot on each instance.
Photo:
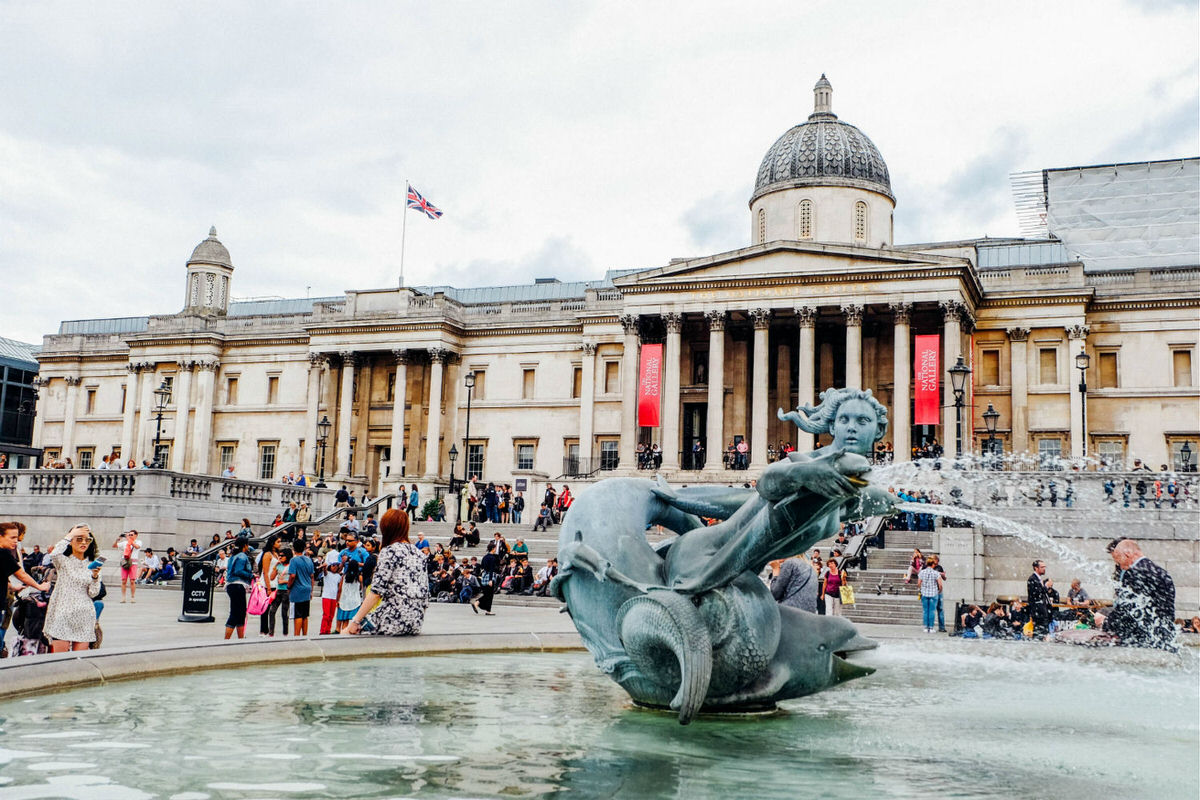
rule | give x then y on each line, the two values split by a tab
1143	612
1040	609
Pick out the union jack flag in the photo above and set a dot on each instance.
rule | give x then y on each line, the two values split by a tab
415	200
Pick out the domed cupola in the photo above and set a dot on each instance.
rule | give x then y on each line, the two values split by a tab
823	180
208	274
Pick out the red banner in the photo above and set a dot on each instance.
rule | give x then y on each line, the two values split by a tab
650	386
926	372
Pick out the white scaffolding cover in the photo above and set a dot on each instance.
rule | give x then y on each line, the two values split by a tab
1125	216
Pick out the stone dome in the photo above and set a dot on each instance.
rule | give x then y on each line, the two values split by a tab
824	151
211	251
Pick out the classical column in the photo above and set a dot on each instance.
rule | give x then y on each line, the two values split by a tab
39	409
715	446
629	380
183	409
344	469
1077	335
399	399
202	436
806	372
760	387
72	403
312	409
901	376
433	431
951	349
145	410
1019	364
854	315
670	396
128	413
587	404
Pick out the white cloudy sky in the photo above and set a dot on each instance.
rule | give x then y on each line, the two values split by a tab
560	138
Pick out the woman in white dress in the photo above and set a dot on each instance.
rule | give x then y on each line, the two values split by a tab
71	614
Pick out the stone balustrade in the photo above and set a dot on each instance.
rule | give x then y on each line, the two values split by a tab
166	508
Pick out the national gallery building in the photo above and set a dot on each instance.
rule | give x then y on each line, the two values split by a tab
820	296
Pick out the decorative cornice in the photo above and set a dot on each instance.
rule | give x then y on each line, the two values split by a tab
674	321
1018	334
716	319
761	318
629	323
1077	332
901	313
806	316
854	315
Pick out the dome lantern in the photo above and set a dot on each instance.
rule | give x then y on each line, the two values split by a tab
209	271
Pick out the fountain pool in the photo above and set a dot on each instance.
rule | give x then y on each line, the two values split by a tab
941	717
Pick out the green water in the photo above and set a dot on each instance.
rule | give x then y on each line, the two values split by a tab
942	718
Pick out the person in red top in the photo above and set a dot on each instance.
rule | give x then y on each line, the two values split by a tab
564	502
129	545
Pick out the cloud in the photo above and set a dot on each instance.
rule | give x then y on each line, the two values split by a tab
557	257
718	222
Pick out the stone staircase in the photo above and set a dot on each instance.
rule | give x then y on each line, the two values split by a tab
881	595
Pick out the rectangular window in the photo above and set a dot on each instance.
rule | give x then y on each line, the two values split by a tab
479	393
1050	454
391	390
272	389
1111	453
162	455
266	461
525	454
1181	362
475	460
231	391
168	382
612	377
527	379
989	368
90	402
577	383
228	453
124	396
85	456
1106	370
1048	365
608	454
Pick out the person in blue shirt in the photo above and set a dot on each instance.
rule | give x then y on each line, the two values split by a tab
414	502
352	550
300	575
422	542
239	574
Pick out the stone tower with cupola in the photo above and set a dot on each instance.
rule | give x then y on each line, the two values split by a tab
209	271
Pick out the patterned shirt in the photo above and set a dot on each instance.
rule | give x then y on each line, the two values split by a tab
928	580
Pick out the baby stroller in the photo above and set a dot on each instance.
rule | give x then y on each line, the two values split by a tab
29	617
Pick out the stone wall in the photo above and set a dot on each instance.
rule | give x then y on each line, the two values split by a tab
167	508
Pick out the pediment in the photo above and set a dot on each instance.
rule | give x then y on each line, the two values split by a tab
776	260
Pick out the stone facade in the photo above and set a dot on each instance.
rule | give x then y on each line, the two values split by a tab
744	333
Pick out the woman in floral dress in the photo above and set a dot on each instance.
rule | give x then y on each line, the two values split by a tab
400	585
71	614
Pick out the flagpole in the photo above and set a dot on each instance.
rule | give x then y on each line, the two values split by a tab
403	232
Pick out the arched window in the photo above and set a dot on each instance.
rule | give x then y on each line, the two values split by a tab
806	219
860	221
762	226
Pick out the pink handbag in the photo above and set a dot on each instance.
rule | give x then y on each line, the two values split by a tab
259	600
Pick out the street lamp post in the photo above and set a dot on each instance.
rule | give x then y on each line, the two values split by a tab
958	382
1082	361
990	417
453	454
469	382
161	395
1185	455
322	439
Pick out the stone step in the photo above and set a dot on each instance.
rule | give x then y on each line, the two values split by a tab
908	540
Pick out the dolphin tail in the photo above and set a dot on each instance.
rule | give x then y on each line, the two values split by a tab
660	627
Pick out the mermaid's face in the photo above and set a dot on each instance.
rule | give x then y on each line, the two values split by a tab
855	427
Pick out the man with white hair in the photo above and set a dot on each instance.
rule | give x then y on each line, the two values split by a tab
1143	612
